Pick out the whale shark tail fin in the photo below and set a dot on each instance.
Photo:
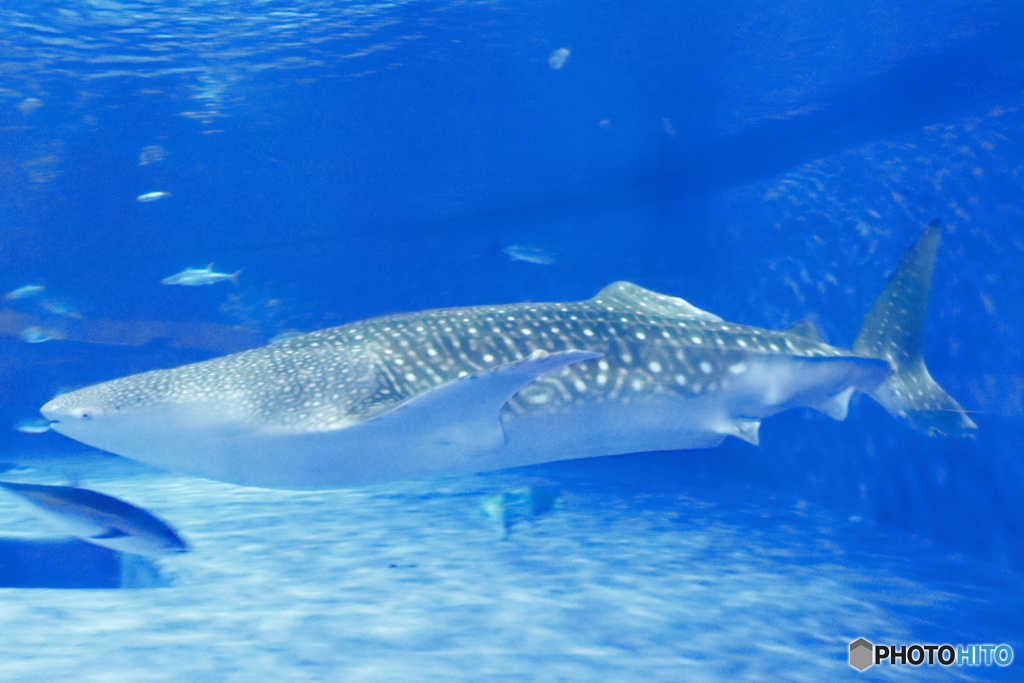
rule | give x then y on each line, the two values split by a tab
892	331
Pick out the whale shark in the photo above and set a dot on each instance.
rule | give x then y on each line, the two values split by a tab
473	389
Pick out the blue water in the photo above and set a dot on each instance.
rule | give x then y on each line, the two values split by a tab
769	162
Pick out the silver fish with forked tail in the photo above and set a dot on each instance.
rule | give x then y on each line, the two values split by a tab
194	277
461	390
100	519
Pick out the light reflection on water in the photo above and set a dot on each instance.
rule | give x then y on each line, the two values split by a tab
209	46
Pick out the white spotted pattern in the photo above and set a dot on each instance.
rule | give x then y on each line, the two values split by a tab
332	377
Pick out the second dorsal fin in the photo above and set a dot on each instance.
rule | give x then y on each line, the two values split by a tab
805	329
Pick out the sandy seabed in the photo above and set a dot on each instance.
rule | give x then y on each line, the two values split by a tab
634	577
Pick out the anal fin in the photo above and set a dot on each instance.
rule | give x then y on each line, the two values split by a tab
837	407
742	428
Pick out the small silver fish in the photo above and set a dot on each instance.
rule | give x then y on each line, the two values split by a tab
152	196
558	58
25	292
35	425
529	254
61	308
193	277
100	519
38	335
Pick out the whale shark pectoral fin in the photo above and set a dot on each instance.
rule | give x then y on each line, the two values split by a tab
111	532
464	415
837	407
742	428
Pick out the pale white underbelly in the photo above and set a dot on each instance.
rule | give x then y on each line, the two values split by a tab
651	424
354	457
457	434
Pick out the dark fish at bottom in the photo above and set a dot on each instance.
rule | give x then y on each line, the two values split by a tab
100	519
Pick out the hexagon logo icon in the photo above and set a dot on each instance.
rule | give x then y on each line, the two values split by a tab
861	654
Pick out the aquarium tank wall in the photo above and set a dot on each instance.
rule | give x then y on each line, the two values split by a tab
188	179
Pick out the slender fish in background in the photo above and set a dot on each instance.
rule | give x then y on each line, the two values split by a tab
25	291
193	277
38	335
529	254
61	308
151	197
558	58
100	519
481	388
35	425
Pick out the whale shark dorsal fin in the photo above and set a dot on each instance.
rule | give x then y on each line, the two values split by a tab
640	300
805	329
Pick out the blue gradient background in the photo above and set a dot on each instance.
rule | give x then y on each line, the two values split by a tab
769	162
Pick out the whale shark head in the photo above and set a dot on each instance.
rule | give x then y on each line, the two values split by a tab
132	413
324	408
303	385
